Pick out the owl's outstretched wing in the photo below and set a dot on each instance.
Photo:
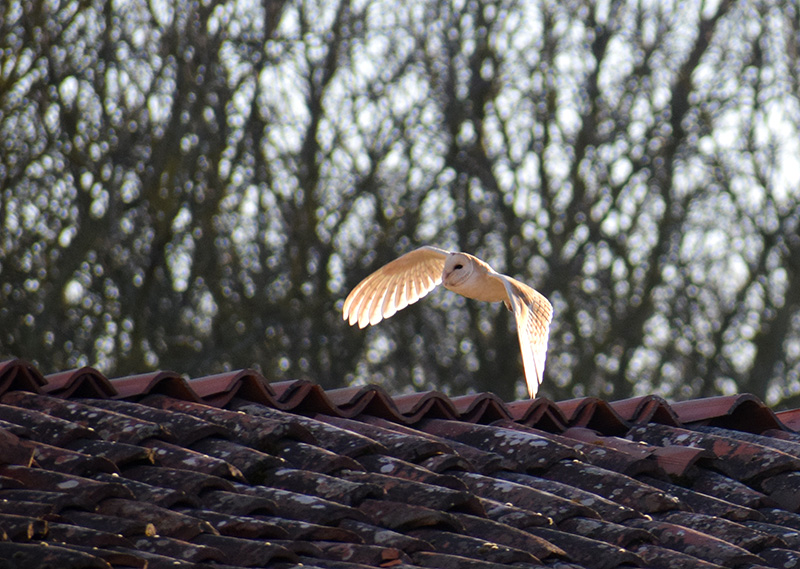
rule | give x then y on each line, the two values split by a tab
533	313
394	286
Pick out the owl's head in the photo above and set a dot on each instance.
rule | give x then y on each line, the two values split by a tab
458	268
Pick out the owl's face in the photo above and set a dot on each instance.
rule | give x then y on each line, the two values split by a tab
457	270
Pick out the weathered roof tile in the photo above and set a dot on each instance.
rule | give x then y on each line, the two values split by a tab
612	485
531	450
394	441
166	522
783	489
590	552
259	432
402	517
525	497
697	544
253	464
740	535
418	493
34	555
499	532
467	546
369	555
248	527
376	535
350	488
159	495
715	484
180	426
41	427
737	458
778	557
391	466
609	532
109	425
700	502
603	507
306	456
69	461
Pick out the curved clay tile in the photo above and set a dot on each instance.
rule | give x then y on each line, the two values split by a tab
741	412
480	408
540	413
157	382
426	404
593	413
18	374
219	389
83	382
646	409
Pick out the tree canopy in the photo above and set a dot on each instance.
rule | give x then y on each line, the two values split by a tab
196	185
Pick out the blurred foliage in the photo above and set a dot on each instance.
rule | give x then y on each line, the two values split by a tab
197	185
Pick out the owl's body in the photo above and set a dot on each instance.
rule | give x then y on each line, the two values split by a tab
410	277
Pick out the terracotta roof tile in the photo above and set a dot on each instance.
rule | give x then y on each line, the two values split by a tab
83	382
590	552
23	528
159	382
646	409
230	471
725	488
739	459
613	486
607	509
593	413
740	535
540	412
368	555
311	457
482	549
69	461
706	503
696	543
398	443
741	412
259	432
431	404
116	524
609	532
350	488
376	535
498	532
34	555
480	408
401	517
525	497
777	557
164	497
108	425
658	556
19	375
220	388
530	450
178	426
253	464
391	466
41	427
321	433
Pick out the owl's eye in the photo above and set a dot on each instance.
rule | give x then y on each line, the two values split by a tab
458	267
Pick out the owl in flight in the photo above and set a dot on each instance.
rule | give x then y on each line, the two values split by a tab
410	277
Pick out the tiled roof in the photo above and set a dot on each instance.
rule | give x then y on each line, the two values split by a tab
232	471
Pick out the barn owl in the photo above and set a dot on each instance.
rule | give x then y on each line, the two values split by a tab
410	277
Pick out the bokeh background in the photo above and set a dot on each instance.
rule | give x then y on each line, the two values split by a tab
196	185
